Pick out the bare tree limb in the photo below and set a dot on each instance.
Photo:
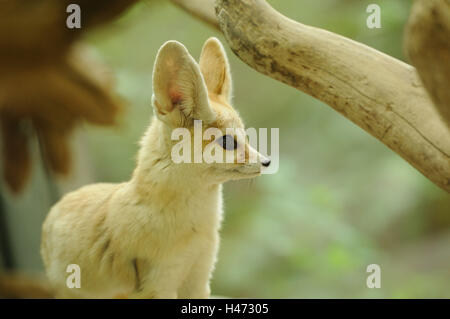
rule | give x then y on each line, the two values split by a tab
202	9
382	95
14	286
427	43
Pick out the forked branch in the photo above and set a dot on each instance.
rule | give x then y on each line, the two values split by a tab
201	9
381	94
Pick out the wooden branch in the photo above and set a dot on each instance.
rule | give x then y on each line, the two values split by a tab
427	44
382	95
19	286
202	9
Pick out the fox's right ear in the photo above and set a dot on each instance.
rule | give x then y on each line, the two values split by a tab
179	91
216	69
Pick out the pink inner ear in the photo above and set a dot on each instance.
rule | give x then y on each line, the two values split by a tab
175	96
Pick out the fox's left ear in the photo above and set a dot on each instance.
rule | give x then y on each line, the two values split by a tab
215	69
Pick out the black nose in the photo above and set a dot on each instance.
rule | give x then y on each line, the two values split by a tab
265	162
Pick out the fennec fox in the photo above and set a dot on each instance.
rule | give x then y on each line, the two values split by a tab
156	236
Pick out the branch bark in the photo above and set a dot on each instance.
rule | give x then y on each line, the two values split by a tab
382	95
427	44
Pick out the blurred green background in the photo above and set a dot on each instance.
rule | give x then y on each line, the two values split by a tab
340	201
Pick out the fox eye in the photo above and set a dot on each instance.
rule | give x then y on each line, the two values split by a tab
227	142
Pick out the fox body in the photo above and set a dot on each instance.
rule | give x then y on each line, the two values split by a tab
156	235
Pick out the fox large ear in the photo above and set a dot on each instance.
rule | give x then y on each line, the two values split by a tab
215	69
179	91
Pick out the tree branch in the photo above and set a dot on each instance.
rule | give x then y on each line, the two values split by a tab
427	43
382	95
202	9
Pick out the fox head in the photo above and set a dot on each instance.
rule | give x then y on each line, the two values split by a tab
196	97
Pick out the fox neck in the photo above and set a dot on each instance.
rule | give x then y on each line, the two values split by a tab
156	176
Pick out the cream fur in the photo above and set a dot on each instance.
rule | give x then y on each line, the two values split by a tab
157	235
